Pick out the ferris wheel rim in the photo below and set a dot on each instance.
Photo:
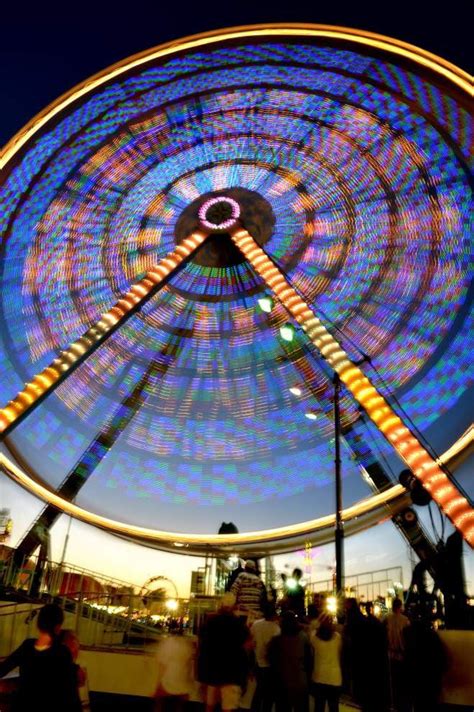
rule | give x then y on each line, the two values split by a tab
427	60
444	69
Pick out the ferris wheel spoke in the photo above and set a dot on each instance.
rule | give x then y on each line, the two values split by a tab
421	463
79	350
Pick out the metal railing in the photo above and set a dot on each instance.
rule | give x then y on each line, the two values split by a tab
103	612
367	586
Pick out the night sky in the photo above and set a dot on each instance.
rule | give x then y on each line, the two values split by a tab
48	49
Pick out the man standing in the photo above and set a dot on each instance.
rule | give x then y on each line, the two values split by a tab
396	624
263	631
222	657
250	592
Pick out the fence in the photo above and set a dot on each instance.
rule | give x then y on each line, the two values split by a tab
365	586
102	611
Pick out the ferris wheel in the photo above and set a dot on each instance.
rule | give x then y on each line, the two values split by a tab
206	231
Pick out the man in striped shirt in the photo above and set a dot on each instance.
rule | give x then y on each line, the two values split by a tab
250	592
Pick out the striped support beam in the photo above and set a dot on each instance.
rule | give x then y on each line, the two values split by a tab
62	366
420	462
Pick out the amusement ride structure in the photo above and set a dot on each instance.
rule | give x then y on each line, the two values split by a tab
227	230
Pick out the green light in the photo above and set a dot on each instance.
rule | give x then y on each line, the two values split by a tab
265	304
287	332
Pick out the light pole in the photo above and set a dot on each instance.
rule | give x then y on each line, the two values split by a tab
339	531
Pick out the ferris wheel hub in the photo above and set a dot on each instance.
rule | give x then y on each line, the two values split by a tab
219	214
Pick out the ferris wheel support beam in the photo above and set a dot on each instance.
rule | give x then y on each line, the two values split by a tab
421	463
78	351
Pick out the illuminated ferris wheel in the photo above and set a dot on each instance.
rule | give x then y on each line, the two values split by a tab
197	240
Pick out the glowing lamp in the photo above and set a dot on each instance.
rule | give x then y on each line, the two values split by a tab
331	604
295	391
266	304
287	332
172	604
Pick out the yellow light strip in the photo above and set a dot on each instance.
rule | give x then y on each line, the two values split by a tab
48	378
462	80
116	527
393	497
420	462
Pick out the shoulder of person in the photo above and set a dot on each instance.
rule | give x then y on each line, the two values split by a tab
27	644
62	651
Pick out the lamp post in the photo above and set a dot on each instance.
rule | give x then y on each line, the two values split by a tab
339	531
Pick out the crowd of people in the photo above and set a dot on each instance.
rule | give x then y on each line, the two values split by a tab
251	654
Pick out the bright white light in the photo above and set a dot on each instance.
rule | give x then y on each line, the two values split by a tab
295	391
287	332
172	605
331	604
310	415
265	304
377	610
291	583
178	544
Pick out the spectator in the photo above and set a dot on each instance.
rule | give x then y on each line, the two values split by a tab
357	657
291	662
327	672
249	591
377	696
175	671
263	631
396	624
313	617
425	662
68	638
48	680
222	657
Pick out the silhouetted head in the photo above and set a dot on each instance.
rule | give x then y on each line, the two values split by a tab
251	566
397	605
297	574
326	628
352	610
227	603
269	610
289	623
50	619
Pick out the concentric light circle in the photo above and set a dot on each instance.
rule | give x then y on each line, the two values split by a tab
216	223
358	144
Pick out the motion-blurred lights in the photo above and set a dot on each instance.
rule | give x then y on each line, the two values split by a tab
311	415
287	332
266	304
